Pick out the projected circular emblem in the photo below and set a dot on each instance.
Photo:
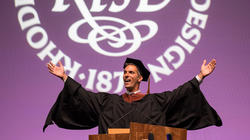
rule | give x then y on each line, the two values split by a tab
114	29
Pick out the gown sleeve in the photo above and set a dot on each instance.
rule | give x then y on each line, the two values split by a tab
186	107
75	108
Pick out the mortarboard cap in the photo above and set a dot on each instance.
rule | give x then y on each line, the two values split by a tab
143	71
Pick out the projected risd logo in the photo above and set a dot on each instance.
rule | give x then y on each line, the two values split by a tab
117	38
113	37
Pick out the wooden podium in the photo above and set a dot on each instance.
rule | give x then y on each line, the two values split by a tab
140	131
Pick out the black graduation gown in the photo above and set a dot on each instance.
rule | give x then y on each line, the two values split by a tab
184	107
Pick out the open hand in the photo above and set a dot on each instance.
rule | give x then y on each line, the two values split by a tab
57	70
207	69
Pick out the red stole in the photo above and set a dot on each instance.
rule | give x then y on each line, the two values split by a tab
132	97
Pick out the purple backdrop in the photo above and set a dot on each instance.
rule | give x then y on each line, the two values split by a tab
28	90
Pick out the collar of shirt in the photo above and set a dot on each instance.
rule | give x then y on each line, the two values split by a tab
130	93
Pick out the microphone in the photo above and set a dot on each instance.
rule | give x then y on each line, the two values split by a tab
169	136
150	136
119	119
135	109
146	116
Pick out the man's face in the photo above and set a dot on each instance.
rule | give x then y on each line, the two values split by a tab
131	78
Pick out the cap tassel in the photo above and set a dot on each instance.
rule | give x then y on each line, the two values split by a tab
148	91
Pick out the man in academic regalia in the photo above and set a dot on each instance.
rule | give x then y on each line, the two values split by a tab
184	107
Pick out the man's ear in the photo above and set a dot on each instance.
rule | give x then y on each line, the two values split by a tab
140	78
